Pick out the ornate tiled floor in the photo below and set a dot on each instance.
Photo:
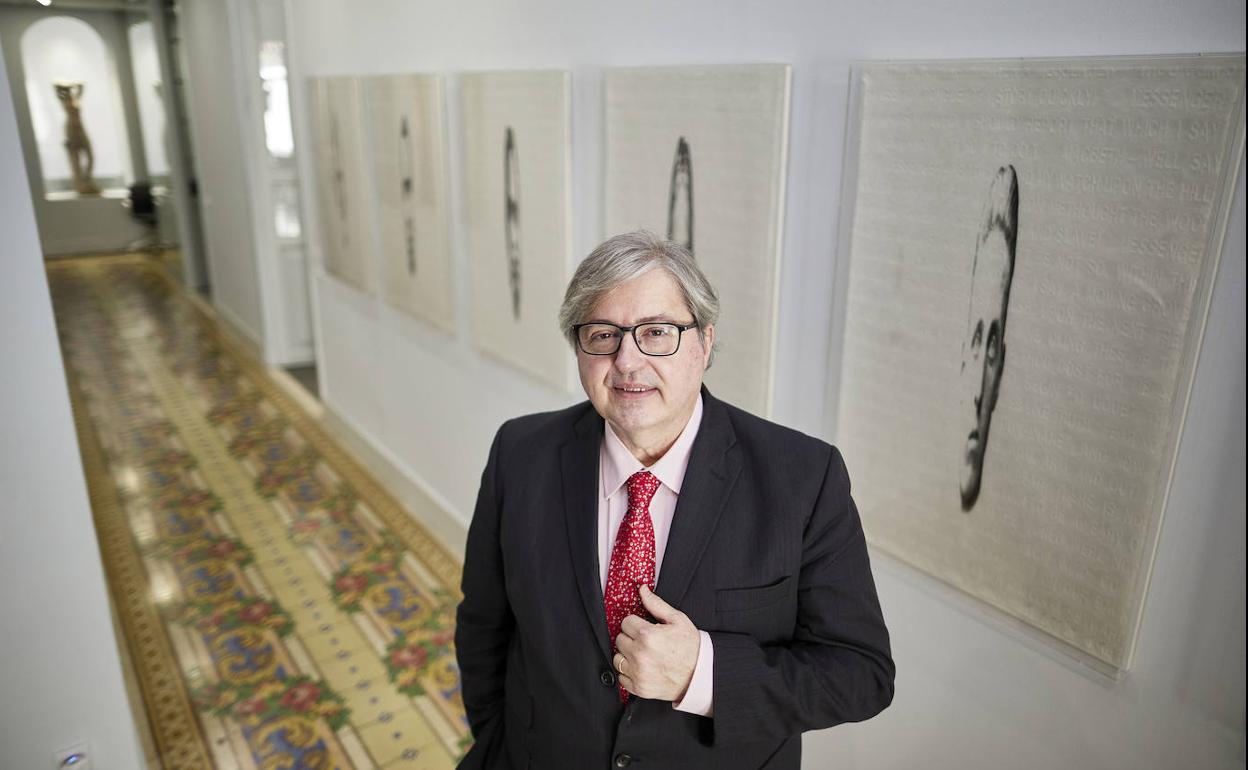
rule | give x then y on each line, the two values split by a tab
280	609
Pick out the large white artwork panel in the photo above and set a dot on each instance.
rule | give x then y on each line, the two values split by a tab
698	154
516	179
1030	269
345	205
409	170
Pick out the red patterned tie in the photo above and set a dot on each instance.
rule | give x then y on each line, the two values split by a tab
632	559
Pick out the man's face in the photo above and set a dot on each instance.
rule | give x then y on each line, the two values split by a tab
646	399
983	355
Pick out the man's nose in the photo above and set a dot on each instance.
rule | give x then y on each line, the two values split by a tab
629	357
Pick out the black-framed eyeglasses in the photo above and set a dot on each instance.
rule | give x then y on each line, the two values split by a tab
653	339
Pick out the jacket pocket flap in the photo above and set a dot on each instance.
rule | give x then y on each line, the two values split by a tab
738	599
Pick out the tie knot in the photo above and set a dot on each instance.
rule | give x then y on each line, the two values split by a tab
641	488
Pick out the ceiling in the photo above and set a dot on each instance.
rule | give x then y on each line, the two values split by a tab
94	5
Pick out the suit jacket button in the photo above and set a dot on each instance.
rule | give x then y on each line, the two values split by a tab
623	760
607	677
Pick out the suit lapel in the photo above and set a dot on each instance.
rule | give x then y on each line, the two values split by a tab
580	506
712	471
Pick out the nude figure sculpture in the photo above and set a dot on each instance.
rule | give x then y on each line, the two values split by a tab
77	144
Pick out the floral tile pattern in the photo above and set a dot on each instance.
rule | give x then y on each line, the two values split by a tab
281	610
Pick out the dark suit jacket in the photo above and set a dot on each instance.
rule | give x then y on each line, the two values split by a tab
766	553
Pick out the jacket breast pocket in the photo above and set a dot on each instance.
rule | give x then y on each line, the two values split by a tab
730	600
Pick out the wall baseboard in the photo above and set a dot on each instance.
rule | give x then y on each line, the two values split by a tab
230	325
416	496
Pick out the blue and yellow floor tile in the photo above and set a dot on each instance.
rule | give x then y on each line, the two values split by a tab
281	610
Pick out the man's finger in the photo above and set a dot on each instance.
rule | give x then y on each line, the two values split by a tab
661	610
632	624
625	682
625	644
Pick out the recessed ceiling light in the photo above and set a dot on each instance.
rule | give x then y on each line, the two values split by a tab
45	2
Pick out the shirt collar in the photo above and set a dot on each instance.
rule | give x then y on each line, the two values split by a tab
618	464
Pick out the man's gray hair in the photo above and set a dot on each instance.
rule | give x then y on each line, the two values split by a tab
622	258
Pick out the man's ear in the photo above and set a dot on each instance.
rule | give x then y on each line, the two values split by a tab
708	344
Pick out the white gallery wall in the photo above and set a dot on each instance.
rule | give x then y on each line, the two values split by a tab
86	224
256	277
971	692
147	79
217	111
60	674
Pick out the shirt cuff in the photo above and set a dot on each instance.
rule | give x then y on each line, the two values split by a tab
698	698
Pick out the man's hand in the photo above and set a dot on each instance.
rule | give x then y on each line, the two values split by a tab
656	660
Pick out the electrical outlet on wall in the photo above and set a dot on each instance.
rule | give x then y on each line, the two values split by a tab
73	758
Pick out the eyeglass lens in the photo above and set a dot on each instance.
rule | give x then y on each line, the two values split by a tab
655	339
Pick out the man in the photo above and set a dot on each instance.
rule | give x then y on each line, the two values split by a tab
763	620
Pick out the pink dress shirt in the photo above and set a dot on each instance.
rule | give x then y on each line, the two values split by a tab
615	465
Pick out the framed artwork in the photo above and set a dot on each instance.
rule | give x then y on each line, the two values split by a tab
344	204
698	154
1033	248
409	174
516	178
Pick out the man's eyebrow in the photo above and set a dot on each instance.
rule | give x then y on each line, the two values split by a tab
667	319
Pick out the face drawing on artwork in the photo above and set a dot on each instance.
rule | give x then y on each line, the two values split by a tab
983	346
511	217
680	197
407	172
646	397
339	179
